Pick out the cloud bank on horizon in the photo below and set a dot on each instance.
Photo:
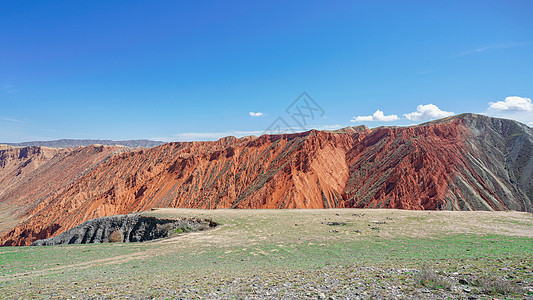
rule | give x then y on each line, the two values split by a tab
377	116
512	107
514	104
428	112
423	112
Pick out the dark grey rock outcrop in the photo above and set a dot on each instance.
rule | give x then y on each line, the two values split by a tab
126	228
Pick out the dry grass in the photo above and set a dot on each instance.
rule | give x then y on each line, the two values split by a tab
290	254
498	286
394	223
431	279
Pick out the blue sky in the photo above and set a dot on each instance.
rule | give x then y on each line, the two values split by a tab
184	70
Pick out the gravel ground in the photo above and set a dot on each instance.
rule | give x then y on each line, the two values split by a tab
299	254
330	282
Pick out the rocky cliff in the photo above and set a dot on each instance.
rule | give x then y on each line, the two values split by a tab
31	174
126	229
466	162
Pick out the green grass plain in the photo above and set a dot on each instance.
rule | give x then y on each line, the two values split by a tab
290	254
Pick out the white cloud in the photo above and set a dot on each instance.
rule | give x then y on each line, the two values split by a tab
11	120
9	89
492	47
427	112
512	104
205	136
377	116
326	127
256	114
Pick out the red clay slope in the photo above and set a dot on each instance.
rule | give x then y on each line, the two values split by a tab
468	162
30	174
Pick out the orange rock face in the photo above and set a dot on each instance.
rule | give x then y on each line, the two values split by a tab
31	174
462	163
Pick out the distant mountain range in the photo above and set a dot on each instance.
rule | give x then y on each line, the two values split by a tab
464	162
69	143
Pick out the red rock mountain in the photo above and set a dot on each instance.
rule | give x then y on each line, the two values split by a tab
466	162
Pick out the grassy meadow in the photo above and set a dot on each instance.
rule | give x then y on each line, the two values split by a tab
316	254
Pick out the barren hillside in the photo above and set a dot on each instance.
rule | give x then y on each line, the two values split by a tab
466	162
